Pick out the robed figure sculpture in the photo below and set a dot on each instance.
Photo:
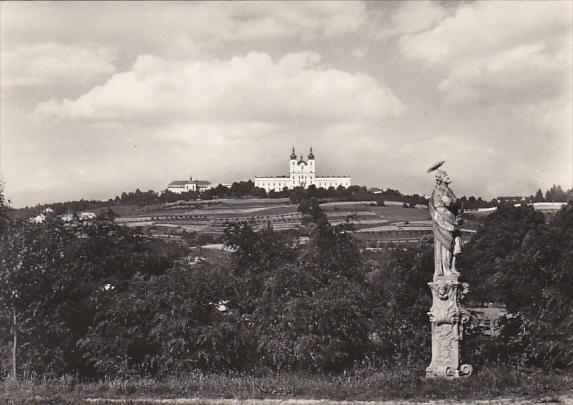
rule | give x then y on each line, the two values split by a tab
446	221
447	315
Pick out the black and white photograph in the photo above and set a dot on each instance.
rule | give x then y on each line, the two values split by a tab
286	202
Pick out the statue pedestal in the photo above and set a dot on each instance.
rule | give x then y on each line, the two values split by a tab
448	318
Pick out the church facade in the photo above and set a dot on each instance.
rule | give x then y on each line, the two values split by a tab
301	174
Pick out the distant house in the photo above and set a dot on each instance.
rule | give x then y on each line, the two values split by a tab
38	219
202	185
375	190
87	215
183	186
514	199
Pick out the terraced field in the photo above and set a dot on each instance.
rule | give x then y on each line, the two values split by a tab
212	216
390	223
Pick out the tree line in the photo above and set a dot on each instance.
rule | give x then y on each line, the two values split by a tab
242	189
239	189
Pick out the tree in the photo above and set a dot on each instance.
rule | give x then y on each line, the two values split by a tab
33	273
297	195
399	300
4	212
538	196
301	307
502	234
311	211
523	261
555	194
313	312
256	255
171	323
550	319
50	270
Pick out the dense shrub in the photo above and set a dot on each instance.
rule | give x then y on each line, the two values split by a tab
166	324
305	305
50	270
525	262
315	316
399	299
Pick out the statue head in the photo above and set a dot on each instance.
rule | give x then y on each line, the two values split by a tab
442	177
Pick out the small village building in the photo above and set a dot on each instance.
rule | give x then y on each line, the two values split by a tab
514	199
183	186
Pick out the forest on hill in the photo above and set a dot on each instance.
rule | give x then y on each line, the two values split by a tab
96	300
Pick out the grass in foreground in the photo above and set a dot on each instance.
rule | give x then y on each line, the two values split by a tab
362	385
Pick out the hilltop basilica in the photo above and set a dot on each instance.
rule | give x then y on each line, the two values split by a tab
302	174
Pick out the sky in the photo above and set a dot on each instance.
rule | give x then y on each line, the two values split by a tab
97	98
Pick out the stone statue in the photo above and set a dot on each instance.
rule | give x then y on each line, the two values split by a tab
446	221
447	315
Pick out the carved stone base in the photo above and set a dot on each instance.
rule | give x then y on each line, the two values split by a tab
464	371
447	317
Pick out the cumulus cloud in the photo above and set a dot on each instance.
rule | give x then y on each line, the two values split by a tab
511	58
244	88
51	64
523	74
287	19
410	17
499	51
172	27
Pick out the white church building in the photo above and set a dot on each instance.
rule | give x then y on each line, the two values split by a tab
302	174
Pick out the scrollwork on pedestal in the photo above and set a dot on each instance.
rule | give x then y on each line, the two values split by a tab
466	370
448	318
446	297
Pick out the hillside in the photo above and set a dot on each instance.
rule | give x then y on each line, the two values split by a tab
373	224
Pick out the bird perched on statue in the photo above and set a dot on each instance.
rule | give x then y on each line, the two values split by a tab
436	166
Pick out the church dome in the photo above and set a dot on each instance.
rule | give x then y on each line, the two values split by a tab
311	155
293	154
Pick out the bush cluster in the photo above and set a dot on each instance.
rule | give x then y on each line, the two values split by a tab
524	261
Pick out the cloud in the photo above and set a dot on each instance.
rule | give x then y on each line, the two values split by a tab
174	27
499	51
52	64
410	17
523	74
221	90
244	88
285	19
509	62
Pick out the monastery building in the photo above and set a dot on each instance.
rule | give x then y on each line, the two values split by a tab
183	186
302	174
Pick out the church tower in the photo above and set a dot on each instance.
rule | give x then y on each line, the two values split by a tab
292	163
311	164
311	167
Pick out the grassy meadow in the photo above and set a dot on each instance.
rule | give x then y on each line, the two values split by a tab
362	385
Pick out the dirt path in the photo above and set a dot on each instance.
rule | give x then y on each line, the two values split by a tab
565	400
